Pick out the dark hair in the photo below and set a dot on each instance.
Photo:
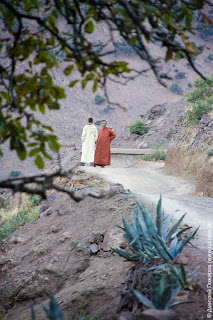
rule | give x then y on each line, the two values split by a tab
103	121
90	120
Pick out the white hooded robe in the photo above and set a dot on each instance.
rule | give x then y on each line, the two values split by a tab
89	137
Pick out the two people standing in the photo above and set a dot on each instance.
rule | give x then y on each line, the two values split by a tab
101	155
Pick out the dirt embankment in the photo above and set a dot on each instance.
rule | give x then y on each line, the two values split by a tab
66	252
190	153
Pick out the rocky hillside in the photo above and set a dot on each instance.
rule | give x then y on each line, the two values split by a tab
136	98
66	251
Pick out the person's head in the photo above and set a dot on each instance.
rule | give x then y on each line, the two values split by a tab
103	123
90	120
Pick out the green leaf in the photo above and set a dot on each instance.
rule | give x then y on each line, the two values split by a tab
22	153
143	299
68	70
53	143
73	83
42	108
39	162
33	152
89	27
95	86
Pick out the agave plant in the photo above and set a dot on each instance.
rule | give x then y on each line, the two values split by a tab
178	274
162	293
149	238
54	312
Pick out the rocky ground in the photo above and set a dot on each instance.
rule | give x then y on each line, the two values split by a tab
67	252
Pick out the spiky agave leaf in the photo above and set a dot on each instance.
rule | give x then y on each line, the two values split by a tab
148	303
162	248
166	226
54	312
182	244
33	316
147	219
159	217
174	228
129	232
127	255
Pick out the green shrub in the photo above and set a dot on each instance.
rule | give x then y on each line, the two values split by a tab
11	224
210	153
15	173
98	122
138	127
205	30
99	99
157	155
35	199
180	75
123	47
210	57
108	108
4	203
201	100
176	88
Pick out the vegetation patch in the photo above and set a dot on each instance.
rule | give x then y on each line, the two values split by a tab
99	99
138	127
180	75
205	30
13	219
176	88
122	47
201	100
11	224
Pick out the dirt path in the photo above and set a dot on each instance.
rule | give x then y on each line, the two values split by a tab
149	180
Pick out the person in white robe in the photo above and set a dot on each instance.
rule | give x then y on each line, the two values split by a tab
89	137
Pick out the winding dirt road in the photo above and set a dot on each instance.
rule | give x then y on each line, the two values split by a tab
149	180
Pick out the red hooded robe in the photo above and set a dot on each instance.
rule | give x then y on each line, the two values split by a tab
102	151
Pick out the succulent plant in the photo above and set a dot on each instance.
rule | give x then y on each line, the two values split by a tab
149	238
178	274
162	293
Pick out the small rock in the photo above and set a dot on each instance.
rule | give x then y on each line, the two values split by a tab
124	315
153	314
63	210
113	188
84	247
16	240
65	235
55	229
97	237
94	248
113	238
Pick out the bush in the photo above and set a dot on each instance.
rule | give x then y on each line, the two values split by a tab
210	57
138	127
201	100
35	199
99	99
176	88
205	30
98	122
4	203
108	108
15	173
11	224
157	155
123	47
180	75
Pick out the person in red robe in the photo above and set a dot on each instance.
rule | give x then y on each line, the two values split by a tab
102	151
